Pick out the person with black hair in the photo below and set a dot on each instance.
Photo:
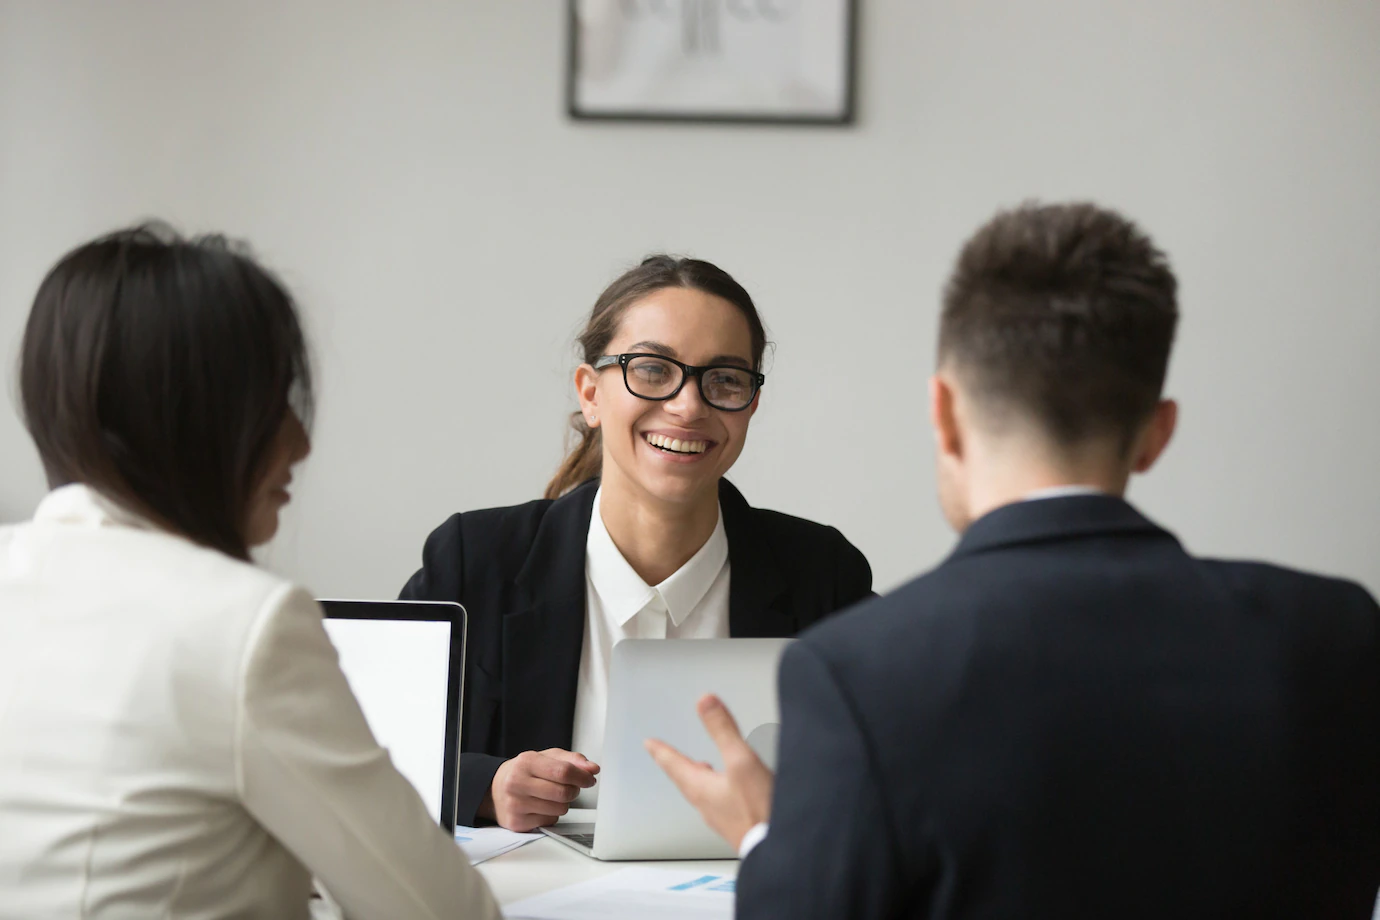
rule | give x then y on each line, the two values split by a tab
1070	716
176	736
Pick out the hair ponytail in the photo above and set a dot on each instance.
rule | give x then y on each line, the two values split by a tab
585	461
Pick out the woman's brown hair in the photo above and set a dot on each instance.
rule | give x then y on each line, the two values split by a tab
656	273
158	371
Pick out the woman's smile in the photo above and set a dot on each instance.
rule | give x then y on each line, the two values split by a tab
678	446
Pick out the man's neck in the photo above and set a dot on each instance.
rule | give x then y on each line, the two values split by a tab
995	487
655	537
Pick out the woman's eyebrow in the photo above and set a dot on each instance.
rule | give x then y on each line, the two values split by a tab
656	347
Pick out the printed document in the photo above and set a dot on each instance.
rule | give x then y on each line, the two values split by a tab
481	843
635	894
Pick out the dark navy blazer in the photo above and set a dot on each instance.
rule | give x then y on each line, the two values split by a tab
1072	717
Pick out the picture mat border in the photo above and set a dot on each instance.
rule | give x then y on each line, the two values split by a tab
846	118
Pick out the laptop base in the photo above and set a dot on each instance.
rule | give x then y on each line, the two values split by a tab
579	837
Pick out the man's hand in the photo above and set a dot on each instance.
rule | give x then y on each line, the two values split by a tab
731	802
536	787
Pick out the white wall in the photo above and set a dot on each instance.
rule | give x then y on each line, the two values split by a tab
408	168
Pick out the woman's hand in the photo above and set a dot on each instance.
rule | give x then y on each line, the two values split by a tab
536	787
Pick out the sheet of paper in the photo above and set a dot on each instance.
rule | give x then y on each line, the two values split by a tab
635	894
481	843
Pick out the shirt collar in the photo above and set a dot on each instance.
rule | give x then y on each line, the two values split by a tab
1060	492
82	505
622	591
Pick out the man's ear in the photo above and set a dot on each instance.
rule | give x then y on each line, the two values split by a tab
587	391
1155	436
944	416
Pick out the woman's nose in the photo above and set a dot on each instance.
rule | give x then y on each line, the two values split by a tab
688	403
301	441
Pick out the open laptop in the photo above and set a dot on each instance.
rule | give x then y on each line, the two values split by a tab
654	685
405	662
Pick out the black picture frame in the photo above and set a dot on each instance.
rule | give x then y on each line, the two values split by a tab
845	118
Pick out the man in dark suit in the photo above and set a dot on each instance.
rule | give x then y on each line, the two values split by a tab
1071	716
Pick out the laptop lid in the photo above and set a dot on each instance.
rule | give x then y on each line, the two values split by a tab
654	685
405	661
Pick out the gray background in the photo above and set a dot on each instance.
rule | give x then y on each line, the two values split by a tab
407	167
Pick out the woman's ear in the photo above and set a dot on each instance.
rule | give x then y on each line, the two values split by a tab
587	391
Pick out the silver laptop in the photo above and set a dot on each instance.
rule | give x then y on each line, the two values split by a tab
654	685
404	661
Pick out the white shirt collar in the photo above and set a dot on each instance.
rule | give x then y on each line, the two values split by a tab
623	592
82	505
1060	492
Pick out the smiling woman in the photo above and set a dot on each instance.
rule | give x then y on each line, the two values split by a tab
647	312
639	536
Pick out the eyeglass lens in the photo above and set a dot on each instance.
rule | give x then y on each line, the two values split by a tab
722	387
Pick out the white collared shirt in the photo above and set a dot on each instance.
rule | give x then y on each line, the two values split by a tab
690	604
1061	492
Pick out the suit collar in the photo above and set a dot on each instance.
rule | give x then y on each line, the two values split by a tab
1055	519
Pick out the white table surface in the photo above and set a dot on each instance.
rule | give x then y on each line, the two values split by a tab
544	865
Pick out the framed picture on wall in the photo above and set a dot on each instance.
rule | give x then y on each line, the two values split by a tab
770	61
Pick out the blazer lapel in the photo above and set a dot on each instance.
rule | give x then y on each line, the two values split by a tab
544	638
756	587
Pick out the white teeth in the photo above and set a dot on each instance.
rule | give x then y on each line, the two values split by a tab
676	445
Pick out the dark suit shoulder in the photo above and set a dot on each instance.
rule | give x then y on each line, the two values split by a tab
1267	589
808	549
490	540
504	534
1249	578
816	559
947	604
789	526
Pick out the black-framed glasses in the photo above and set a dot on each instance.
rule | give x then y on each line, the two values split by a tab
727	387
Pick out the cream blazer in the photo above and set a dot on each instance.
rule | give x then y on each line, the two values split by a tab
177	740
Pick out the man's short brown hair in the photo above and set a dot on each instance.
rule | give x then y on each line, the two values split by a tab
1063	316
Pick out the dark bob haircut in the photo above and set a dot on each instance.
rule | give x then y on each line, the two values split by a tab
158	370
